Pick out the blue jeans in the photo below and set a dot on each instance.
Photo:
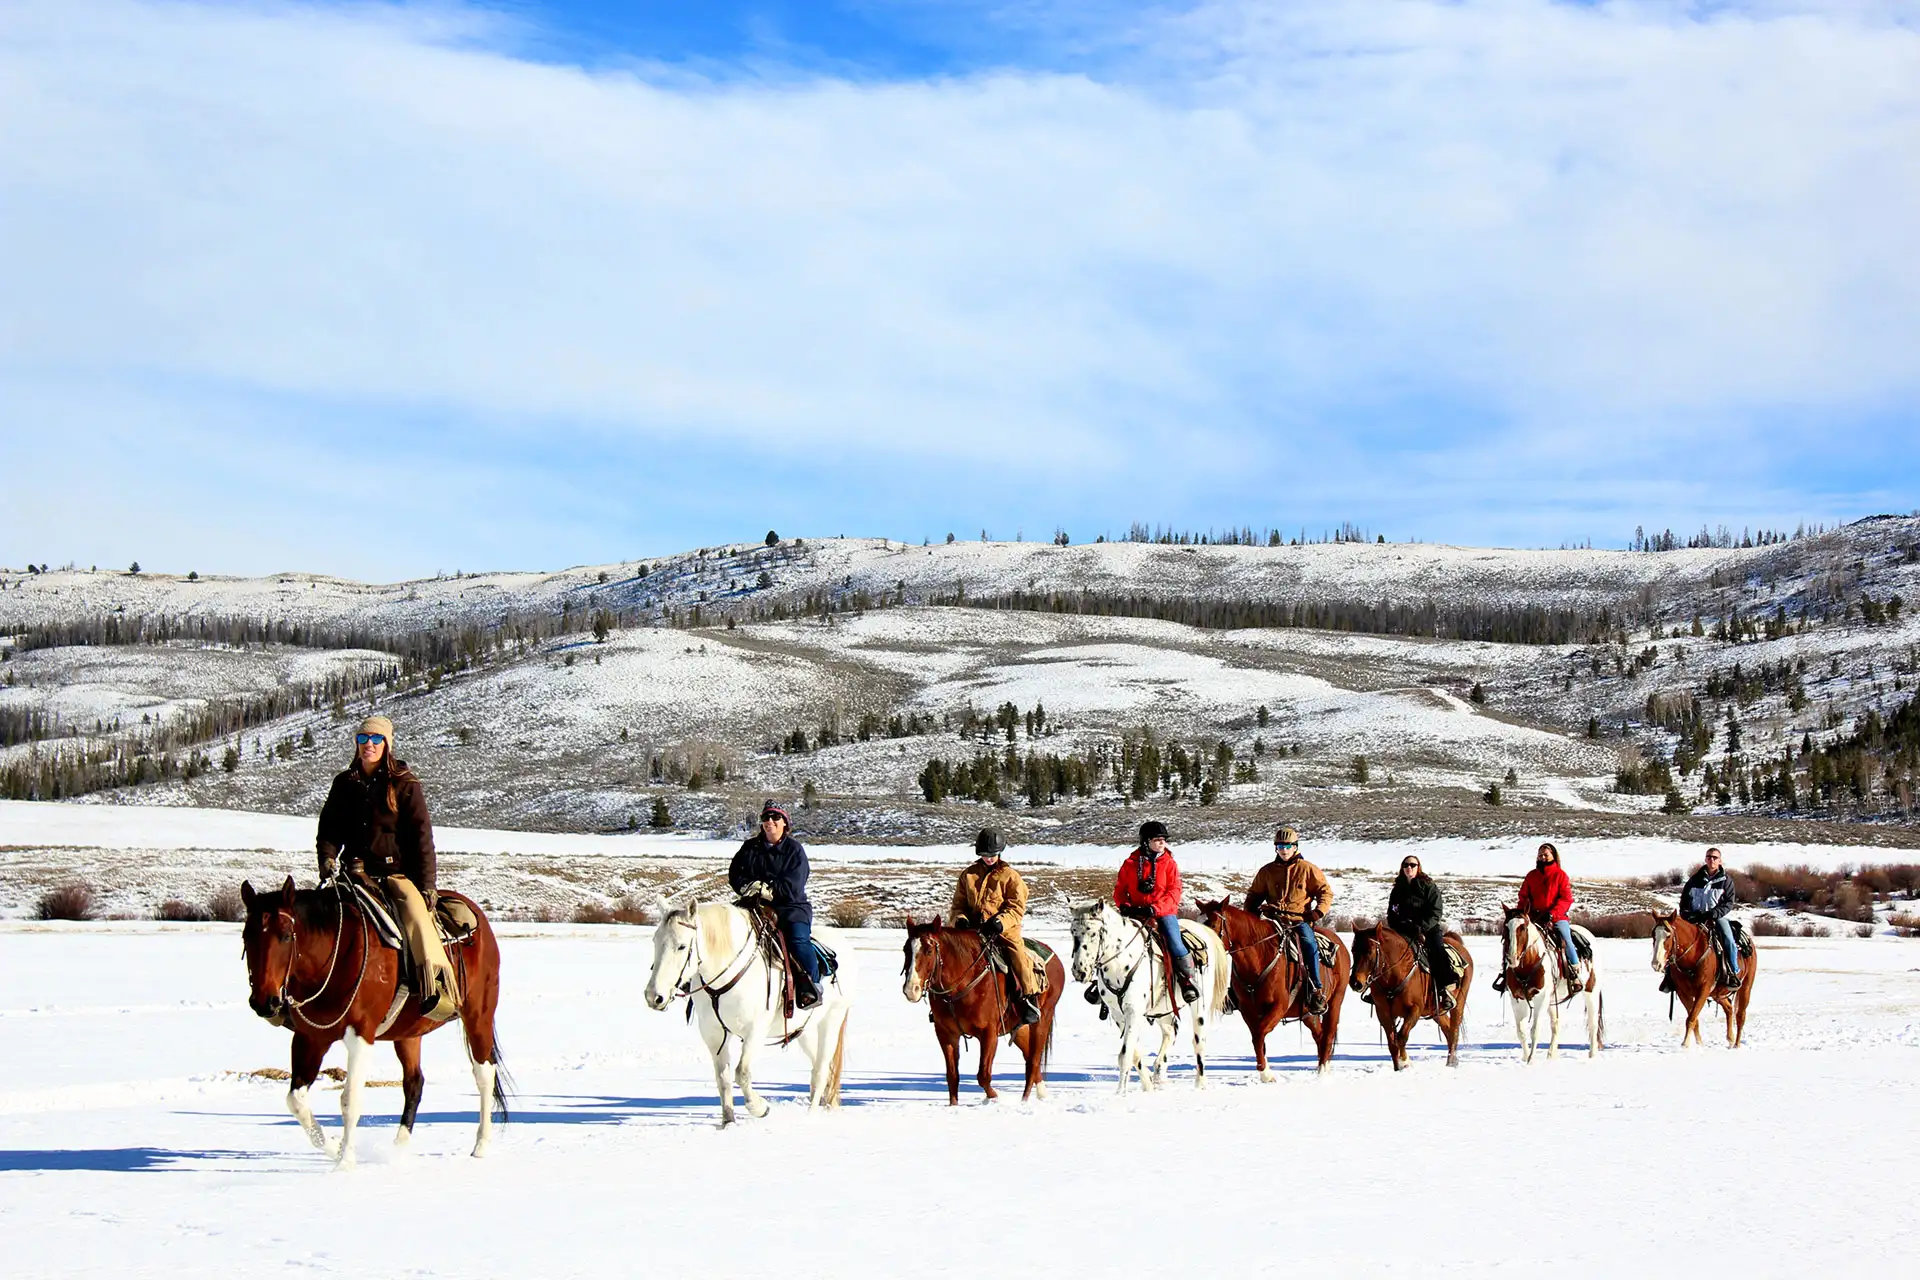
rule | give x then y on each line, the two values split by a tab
1170	933
1725	926
1565	930
1310	947
800	943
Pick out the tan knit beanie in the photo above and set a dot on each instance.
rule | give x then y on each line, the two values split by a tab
380	725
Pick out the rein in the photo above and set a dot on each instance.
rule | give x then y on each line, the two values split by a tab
951	994
297	1006
1101	963
690	980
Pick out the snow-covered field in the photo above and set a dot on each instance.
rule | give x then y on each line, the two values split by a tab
131	1142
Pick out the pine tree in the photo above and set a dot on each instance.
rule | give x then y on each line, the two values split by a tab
662	817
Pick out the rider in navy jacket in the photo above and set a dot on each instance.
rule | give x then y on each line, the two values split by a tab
1705	900
772	857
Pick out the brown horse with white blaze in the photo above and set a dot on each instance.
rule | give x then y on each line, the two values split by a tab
954	972
1266	983
1685	951
1401	992
317	966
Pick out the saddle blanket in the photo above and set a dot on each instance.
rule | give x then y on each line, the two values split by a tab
1039	952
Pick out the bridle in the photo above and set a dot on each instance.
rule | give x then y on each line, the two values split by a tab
690	980
931	941
1273	936
1100	963
1519	936
1375	975
297	1005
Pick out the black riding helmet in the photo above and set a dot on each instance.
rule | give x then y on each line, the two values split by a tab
988	841
1152	830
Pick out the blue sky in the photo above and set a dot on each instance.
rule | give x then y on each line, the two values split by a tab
391	289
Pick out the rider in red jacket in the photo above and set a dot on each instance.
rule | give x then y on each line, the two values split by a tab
1547	895
1148	887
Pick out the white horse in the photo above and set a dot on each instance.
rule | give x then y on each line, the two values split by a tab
711	955
1536	984
1115	954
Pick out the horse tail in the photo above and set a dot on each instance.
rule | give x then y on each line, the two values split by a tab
832	1098
1603	1017
1222	975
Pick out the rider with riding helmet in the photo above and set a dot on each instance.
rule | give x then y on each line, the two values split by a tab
1547	896
990	896
1294	893
375	823
1148	888
1705	900
771	866
1414	911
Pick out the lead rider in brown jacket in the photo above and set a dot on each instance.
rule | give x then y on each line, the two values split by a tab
375	820
992	898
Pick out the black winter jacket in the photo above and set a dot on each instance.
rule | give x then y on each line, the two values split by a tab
357	826
1707	896
781	867
1414	906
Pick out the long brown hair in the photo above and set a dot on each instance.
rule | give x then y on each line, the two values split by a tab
394	771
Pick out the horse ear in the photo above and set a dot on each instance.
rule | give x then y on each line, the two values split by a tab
246	893
288	889
660	907
935	922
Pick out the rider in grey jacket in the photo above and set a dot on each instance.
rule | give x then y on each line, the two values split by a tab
1705	900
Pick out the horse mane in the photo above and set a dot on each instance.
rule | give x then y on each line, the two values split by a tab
715	921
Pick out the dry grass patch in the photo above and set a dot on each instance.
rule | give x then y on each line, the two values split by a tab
67	902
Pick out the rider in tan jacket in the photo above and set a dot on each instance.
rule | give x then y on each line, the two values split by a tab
991	897
1296	893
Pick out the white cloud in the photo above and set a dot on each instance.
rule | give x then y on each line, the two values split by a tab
1626	224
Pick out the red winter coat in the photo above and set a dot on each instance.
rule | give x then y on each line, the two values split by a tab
1163	899
1547	892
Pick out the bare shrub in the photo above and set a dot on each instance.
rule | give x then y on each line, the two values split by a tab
68	902
851	913
175	909
226	906
1481	927
633	911
593	913
1617	924
1772	927
1349	924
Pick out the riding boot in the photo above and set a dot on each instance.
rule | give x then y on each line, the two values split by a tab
1666	981
806	992
1444	991
1029	1009
1183	974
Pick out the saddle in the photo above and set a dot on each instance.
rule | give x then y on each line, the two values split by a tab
1038	952
772	940
1457	955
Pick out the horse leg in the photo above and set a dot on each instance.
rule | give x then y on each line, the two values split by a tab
989	1046
1520	1010
412	1082
1398	1030
1169	1032
950	1050
1737	1021
743	1073
1199	1047
1129	1048
350	1097
1593	1023
714	1036
1553	1018
307	1057
1451	1030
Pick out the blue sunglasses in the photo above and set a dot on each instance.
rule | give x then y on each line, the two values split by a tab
362	739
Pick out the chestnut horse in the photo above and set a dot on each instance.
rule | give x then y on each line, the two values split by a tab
1266	984
317	966
967	996
1537	983
1401	992
1686	951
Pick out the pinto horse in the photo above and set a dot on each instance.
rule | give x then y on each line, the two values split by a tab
1125	964
1686	951
1266	982
1401	992
967	996
317	966
1537	983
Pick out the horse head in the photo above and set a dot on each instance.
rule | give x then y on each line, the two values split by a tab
270	941
1089	927
1663	939
1363	948
922	964
676	958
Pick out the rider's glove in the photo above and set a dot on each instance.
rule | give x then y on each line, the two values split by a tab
1313	914
992	927
758	889
329	866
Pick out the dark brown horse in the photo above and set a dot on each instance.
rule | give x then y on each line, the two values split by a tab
968	997
1686	952
1402	993
317	966
1267	985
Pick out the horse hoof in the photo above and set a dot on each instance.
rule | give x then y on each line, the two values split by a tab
480	1150
403	1137
345	1162
757	1109
1267	1077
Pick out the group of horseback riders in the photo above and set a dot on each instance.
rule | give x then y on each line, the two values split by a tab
375	829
